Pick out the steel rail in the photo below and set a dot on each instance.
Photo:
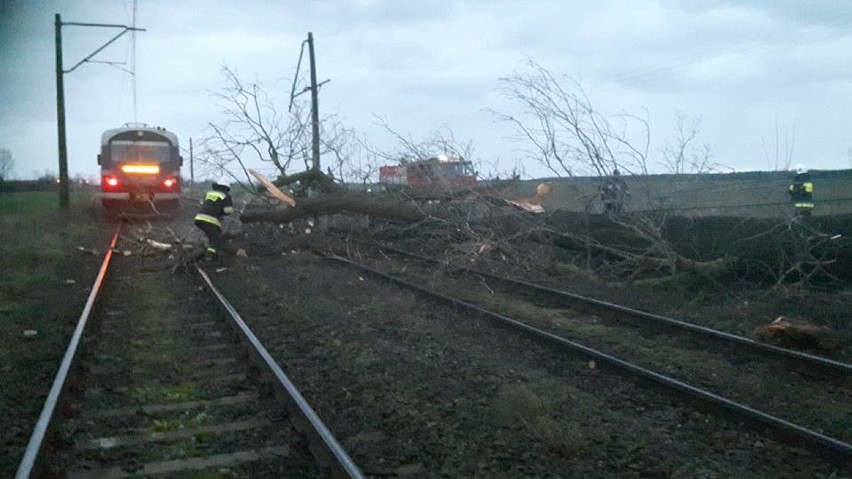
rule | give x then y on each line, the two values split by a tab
59	381
341	465
824	365
834	451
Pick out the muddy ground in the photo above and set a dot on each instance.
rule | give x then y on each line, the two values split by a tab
413	389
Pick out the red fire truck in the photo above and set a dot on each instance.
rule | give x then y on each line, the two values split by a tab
441	170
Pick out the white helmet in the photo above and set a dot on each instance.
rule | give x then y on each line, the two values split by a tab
223	181
801	169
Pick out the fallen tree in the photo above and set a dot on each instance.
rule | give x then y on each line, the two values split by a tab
568	136
403	204
378	206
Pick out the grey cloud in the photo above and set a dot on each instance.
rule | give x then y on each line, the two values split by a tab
423	64
826	12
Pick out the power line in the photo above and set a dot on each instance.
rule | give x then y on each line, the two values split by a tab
296	76
133	61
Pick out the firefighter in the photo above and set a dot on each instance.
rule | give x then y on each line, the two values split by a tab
216	204
613	193
802	192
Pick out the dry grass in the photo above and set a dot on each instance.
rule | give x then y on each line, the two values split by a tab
522	408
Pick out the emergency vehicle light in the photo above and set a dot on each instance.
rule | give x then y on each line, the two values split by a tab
141	169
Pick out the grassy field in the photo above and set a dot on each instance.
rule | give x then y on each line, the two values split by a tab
759	194
42	290
33	236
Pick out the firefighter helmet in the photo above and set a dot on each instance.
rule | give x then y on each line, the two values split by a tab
223	182
801	169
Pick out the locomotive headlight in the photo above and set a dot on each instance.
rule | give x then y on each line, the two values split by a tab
140	168
169	182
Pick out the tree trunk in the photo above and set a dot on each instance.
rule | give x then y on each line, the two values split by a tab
310	178
378	206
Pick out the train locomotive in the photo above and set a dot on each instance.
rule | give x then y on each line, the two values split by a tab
140	168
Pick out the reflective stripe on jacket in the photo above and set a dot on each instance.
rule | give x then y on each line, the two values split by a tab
208	219
214	206
802	192
214	195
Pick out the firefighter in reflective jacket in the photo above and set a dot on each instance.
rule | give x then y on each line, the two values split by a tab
802	192
216	204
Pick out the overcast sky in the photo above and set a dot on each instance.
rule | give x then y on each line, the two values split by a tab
752	71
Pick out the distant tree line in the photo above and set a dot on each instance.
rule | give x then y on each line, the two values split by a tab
12	186
45	182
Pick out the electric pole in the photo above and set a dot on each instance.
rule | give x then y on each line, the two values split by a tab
60	119
315	146
191	165
60	96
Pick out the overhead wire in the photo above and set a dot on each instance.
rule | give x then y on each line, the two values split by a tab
119	98
133	61
130	10
296	75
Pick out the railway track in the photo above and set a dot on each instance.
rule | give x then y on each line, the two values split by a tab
826	368
404	402
155	382
833	450
416	387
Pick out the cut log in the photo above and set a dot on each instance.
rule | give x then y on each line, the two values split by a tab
378	206
533	203
452	192
310	178
798	333
272	189
398	205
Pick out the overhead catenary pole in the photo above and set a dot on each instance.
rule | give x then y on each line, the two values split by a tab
315	147
60	95
191	165
60	116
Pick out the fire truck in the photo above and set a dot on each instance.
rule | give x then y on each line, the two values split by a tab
441	170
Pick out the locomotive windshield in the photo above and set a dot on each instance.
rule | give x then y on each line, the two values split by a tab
140	151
